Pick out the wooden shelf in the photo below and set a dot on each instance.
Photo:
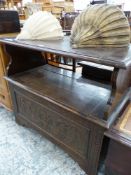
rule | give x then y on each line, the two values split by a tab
84	96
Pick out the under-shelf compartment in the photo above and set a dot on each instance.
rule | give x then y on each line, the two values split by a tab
84	96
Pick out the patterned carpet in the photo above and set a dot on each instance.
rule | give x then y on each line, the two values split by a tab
24	152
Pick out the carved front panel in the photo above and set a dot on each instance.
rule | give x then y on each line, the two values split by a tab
55	124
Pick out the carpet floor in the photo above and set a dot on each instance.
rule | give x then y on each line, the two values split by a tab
25	152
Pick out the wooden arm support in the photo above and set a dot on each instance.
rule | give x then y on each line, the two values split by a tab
120	107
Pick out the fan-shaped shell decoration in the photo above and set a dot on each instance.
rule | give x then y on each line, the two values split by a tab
100	26
41	26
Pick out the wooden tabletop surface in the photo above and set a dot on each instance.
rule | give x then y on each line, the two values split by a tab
116	57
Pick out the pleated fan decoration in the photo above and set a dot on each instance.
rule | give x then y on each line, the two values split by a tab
41	25
100	26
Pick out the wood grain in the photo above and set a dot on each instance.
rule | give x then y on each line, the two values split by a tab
65	107
116	57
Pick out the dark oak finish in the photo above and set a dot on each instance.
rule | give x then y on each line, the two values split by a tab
50	102
101	73
22	59
9	21
68	20
9	26
65	107
96	71
116	57
118	161
119	58
70	90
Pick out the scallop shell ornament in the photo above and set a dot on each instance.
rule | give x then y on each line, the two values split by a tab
41	25
100	26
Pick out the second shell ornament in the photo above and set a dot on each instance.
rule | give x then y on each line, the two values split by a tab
100	26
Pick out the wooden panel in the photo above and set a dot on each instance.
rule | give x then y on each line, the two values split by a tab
4	61
23	59
121	132
116	57
5	100
125	125
96	71
70	133
3	83
1	72
4	90
9	21
52	100
118	159
80	137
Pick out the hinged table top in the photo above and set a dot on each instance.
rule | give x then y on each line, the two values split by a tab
115	57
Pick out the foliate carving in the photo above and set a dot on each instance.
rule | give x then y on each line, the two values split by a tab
68	132
84	141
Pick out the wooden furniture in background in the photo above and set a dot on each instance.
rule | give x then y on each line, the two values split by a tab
118	161
61	62
2	4
9	21
57	11
31	8
5	98
22	16
66	108
68	20
56	7
47	5
9	25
